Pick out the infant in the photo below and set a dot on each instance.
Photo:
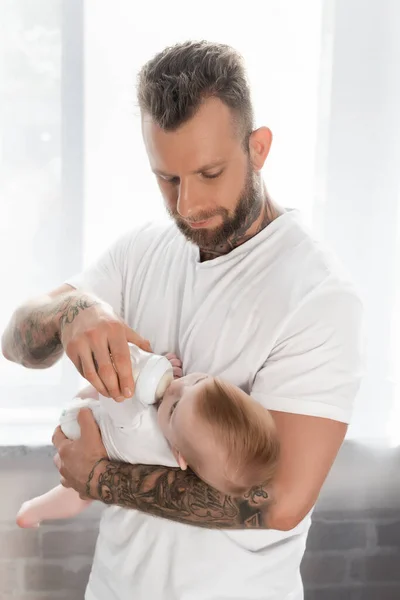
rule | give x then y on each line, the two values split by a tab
201	422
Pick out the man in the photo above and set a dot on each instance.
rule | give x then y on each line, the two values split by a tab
236	287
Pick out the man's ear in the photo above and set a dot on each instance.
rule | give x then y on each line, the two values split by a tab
259	145
180	460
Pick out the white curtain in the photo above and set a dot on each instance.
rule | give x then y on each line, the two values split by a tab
324	79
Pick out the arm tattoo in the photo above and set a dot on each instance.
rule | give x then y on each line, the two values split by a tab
33	335
72	309
176	495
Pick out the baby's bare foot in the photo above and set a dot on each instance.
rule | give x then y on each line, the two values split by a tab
27	517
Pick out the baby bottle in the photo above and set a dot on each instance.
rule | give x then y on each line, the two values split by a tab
152	375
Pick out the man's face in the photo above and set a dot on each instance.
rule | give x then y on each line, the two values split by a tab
204	175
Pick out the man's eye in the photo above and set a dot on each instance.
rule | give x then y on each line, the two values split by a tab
212	176
171	180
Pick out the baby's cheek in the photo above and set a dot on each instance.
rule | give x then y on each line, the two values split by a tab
162	418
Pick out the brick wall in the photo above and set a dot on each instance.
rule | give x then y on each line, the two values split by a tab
54	560
353	557
353	552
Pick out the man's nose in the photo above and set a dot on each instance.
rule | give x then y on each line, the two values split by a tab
188	204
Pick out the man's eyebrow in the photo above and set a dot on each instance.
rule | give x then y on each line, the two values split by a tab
206	167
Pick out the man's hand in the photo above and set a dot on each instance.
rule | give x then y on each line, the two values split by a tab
77	460
96	340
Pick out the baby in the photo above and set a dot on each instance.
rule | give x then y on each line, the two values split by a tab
201	422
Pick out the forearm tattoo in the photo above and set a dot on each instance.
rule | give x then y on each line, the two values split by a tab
33	337
176	495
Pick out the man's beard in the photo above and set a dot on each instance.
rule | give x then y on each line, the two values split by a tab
233	227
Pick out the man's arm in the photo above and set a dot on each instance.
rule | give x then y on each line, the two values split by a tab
309	446
176	495
93	336
32	338
161	491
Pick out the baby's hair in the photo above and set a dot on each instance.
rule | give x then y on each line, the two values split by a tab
244	429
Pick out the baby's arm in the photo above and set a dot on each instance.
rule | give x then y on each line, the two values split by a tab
58	503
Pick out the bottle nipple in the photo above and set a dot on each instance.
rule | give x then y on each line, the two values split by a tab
164	382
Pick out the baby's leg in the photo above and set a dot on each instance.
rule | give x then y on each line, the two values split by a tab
58	503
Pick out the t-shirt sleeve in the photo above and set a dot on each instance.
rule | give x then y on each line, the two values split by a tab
316	365
105	277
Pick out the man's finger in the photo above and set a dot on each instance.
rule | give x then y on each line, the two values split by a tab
58	438
89	371
135	338
119	349
87	423
105	368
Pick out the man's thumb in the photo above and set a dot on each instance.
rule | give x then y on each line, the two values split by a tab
87	422
135	338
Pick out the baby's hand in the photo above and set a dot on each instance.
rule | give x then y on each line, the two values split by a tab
176	364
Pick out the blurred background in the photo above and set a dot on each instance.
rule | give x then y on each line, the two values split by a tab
74	176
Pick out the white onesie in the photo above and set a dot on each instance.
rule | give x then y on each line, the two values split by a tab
134	442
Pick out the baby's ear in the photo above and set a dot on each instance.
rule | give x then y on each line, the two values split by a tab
180	460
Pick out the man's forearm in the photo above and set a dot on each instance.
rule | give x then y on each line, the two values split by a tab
176	495
32	337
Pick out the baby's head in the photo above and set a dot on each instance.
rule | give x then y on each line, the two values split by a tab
225	436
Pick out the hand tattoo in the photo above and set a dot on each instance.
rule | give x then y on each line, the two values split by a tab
72	309
176	495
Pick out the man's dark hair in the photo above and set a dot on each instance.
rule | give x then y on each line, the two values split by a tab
173	84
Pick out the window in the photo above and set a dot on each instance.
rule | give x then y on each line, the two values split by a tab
75	174
40	233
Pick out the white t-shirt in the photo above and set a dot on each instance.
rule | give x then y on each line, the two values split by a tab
277	317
